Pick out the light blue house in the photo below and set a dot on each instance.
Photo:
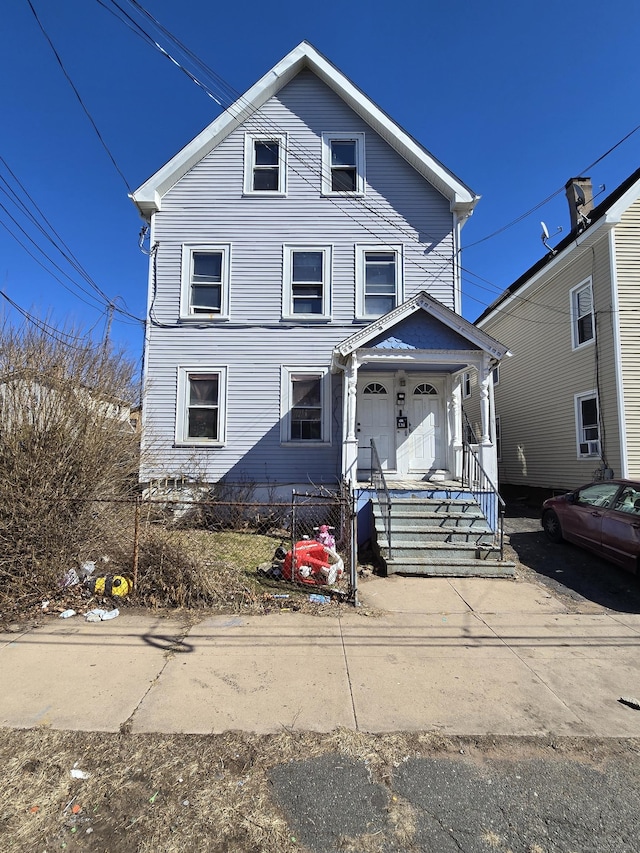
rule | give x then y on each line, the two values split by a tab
304	296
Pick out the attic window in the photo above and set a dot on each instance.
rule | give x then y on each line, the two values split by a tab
265	164
582	316
343	164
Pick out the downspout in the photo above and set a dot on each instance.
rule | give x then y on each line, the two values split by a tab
457	273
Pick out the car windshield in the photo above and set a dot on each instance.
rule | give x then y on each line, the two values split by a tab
597	494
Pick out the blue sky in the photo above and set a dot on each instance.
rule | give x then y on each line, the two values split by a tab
514	97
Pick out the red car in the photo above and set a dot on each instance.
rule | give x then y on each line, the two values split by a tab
603	517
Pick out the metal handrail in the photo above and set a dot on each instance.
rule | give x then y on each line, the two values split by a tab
468	431
382	492
485	492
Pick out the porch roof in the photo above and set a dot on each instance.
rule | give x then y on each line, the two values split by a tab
425	329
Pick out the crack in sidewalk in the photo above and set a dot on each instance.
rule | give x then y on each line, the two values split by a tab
346	664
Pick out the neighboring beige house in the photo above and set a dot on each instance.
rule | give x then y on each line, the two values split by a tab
567	403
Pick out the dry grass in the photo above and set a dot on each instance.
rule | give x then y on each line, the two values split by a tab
166	793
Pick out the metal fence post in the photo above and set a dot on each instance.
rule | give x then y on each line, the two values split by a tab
136	542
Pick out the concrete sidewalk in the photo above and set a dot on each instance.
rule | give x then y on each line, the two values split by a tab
460	656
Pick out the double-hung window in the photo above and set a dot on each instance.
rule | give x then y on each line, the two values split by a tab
587	424
583	328
265	164
307	282
205	282
343	170
201	406
305	406
379	280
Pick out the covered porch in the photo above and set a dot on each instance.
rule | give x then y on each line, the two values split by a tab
402	388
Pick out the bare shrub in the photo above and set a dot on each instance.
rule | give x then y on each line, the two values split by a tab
66	441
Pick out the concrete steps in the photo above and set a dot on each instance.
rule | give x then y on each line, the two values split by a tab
441	537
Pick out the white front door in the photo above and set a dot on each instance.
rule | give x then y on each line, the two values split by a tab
375	420
404	415
425	429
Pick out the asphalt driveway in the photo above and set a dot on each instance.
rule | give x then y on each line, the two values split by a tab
584	581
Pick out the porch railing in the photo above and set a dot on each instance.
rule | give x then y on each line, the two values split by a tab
484	491
382	493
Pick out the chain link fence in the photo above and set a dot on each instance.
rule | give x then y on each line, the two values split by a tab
186	546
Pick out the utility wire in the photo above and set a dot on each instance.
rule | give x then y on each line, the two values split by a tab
254	118
77	94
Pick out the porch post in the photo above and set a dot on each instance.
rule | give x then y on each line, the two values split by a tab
350	440
455	426
487	449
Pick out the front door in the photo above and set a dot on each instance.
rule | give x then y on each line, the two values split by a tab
375	420
404	417
424	428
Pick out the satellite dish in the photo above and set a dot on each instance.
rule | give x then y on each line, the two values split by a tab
579	194
545	236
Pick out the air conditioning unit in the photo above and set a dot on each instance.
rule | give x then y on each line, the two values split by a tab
590	448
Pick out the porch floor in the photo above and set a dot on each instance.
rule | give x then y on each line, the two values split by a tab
412	484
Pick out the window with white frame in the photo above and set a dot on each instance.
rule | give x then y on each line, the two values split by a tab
265	164
496	375
305	406
201	406
583	328
379	280
343	166
466	385
205	281
587	424
307	282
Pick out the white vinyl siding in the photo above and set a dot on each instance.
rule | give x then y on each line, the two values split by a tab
265	164
204	292
201	403
343	164
207	206
307	283
583	329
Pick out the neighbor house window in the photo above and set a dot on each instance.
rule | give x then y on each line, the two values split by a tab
307	275
587	424
466	385
305	405
205	282
583	328
379	280
343	164
201	406
496	375
265	164
498	439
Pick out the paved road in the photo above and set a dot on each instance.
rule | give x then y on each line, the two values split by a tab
536	801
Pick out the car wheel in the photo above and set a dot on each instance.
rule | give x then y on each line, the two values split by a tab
551	526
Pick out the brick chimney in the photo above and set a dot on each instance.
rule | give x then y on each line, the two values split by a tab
579	212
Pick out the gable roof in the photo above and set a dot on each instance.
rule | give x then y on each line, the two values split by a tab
148	197
423	302
608	211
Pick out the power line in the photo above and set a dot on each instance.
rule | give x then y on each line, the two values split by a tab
77	94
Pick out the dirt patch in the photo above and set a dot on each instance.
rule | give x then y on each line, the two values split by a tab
214	794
